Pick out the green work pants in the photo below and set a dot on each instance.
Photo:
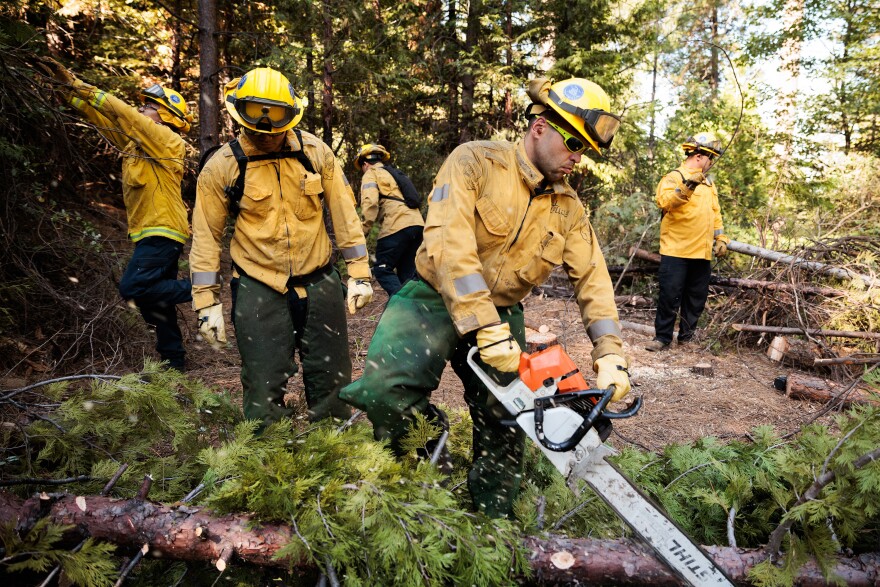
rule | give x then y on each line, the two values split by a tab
271	326
408	352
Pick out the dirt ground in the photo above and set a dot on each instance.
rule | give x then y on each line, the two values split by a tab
678	405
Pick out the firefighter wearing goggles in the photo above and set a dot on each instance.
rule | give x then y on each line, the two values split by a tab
500	218
152	170
383	202
286	292
691	232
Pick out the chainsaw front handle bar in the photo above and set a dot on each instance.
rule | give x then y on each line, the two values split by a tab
602	398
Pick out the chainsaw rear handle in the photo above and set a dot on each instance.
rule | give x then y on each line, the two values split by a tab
602	397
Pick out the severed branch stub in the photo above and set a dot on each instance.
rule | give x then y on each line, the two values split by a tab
226	553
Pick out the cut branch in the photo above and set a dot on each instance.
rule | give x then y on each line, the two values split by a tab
837	272
172	533
805	331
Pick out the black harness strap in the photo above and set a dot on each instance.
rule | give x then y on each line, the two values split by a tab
236	191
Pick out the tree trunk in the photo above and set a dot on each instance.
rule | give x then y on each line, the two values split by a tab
815	389
209	111
190	533
327	92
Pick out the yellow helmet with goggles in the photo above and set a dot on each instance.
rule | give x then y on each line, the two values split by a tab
584	105
263	100
371	152
704	143
174	111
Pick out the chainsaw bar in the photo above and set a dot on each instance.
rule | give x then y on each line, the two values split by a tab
666	539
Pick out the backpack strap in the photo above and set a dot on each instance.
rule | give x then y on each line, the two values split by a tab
382	196
236	191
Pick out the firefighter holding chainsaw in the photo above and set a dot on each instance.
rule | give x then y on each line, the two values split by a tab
153	153
500	217
286	292
382	201
691	231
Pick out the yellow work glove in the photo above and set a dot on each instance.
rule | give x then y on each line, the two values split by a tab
211	325
687	187
360	293
611	370
498	348
55	70
720	248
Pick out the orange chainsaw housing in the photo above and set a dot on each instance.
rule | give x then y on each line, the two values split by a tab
551	363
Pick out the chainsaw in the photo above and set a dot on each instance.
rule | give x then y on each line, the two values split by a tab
554	406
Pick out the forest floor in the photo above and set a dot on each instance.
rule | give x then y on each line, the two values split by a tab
678	405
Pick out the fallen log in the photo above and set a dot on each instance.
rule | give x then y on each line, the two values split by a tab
192	533
749	283
837	272
636	327
775	286
849	360
810	331
816	389
793	351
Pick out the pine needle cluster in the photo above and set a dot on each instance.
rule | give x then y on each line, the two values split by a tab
156	421
353	506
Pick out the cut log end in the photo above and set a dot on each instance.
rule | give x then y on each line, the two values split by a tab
536	340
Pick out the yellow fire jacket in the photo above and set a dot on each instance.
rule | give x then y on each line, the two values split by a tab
491	236
689	227
152	163
279	231
392	215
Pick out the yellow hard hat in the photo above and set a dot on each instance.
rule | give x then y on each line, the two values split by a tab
705	143
371	152
587	108
174	111
263	100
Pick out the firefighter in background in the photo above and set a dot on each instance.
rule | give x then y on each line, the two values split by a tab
401	226
149	138
500	217
690	232
286	292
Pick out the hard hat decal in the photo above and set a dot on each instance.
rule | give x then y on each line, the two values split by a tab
573	91
292	93
174	99
241	81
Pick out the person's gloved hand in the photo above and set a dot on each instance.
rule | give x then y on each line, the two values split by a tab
211	325
611	370
360	293
720	248
56	71
498	348
687	187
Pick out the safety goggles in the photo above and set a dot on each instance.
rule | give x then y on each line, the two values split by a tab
268	113
572	143
157	93
601	126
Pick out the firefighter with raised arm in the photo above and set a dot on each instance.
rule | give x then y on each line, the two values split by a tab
287	295
383	202
153	153
500	217
691	231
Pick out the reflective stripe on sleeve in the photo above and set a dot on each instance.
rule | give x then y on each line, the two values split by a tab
440	193
600	328
719	231
372	184
98	99
469	284
354	252
205	278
